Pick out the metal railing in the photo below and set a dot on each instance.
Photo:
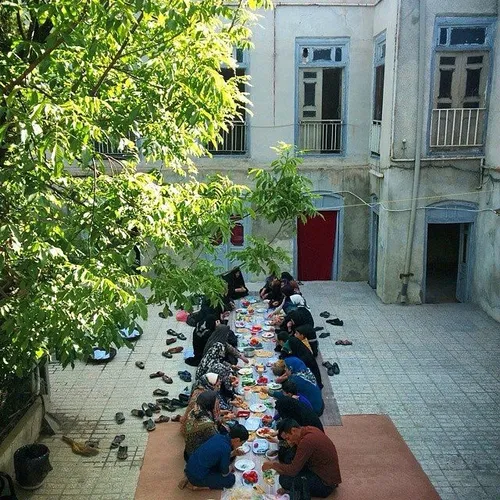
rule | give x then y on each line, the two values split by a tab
457	127
320	136
107	148
375	137
233	141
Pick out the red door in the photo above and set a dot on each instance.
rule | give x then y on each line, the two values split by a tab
316	246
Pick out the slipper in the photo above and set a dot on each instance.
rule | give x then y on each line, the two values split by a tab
184	397
137	413
166	354
162	401
324	335
160	392
122	453
346	342
149	424
325	314
167	380
157	374
318	328
162	315
181	336
154	407
172	332
169	407
185	376
140	364
161	419
177	418
329	368
147	410
170	341
117	440
336	368
335	322
175	350
119	417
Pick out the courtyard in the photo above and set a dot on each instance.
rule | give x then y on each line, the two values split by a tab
433	369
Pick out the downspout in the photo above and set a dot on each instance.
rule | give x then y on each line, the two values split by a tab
418	154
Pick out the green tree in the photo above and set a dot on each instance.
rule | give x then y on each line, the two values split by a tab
73	74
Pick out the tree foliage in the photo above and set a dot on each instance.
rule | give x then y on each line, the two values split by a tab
73	74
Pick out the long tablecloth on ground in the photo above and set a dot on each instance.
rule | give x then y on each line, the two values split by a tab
259	317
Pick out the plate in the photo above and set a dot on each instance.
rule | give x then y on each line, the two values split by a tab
252	424
239	324
245	371
265	432
241	310
274	386
258	408
245	448
267	335
244	465
260	310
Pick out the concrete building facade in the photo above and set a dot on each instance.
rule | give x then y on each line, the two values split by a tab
396	107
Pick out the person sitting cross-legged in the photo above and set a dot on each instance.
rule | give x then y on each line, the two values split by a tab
316	460
208	466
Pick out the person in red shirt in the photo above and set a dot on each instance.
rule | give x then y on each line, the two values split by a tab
316	459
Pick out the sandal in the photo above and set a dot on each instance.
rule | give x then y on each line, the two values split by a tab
181	336
119	417
172	332
156	374
324	335
175	350
335	322
166	354
169	407
167	379
118	439
177	418
160	392
346	342
147	410
163	401
170	341
318	328
329	368
140	364
184	397
161	419
336	368
325	314
149	424
185	376
122	453
154	407
137	413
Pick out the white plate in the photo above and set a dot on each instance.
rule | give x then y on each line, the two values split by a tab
245	371
258	408
245	448
252	424
274	387
244	464
267	335
240	324
260	310
241	310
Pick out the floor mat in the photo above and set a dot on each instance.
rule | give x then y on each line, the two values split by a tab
375	464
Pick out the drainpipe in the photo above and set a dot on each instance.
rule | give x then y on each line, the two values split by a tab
405	276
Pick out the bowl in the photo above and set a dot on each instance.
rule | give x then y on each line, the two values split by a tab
249	352
272	454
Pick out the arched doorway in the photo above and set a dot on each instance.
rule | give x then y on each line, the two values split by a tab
318	245
448	251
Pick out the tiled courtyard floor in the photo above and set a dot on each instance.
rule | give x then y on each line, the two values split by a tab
434	369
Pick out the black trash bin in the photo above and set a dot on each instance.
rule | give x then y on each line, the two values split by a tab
31	464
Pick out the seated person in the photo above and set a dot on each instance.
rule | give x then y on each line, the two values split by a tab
266	289
236	288
289	407
289	388
302	337
291	346
201	334
315	459
307	332
208	466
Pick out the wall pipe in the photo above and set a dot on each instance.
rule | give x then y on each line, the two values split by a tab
405	276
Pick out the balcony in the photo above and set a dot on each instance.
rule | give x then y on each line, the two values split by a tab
457	128
320	136
375	137
233	141
113	150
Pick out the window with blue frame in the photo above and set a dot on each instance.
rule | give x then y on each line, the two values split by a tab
321	94
461	78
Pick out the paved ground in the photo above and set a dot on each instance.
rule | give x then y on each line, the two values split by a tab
434	369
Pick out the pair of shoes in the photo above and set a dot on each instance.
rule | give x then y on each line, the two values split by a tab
325	314
343	342
147	410
324	335
149	424
185	376
163	401
117	441
137	413
160	392
335	322
332	369
140	364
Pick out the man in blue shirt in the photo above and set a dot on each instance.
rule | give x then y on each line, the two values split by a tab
208	466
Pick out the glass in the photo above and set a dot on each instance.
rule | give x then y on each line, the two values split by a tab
322	55
468	36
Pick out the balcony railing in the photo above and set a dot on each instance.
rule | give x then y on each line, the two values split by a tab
107	148
457	127
375	137
320	136
233	142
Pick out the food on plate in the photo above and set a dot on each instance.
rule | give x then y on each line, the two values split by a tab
251	436
261	353
250	477
266	432
254	341
250	310
262	380
241	404
263	396
243	413
257	328
258	489
267	420
245	371
269	476
272	454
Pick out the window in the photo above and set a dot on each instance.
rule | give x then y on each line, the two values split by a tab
378	94
462	68
321	75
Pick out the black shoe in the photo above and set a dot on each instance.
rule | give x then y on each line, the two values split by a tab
324	335
329	368
169	407
335	322
325	314
319	328
336	368
183	398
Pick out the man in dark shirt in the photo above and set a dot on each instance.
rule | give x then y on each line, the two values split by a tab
316	459
208	466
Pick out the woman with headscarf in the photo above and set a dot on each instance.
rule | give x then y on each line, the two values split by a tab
201	424
292	346
201	334
295	370
308	333
219	342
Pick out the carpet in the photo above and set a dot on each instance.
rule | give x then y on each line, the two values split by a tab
331	415
375	463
